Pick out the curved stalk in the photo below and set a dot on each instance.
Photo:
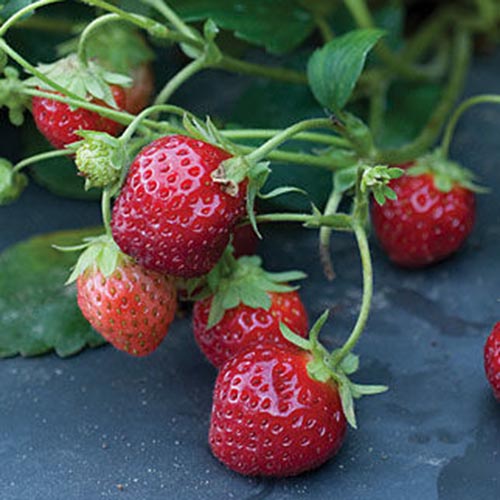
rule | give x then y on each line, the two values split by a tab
22	12
464	106
366	264
429	134
41	157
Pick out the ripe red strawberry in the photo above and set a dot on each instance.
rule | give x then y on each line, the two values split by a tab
131	307
282	411
432	216
492	360
58	123
245	240
171	216
56	120
138	95
244	325
270	418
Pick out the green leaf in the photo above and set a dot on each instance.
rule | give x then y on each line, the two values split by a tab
334	69
10	7
39	314
278	25
345	179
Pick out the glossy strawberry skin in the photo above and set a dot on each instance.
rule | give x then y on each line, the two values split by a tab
138	95
244	326
245	241
424	225
269	418
132	309
492	360
58	123
170	215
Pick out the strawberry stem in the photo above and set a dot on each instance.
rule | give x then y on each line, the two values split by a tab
366	263
41	157
88	32
428	135
284	135
34	71
464	106
255	133
22	12
140	118
183	75
106	210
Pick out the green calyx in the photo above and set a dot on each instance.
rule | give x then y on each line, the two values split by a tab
12	183
83	80
446	173
117	46
12	95
99	253
324	367
241	281
376	179
100	158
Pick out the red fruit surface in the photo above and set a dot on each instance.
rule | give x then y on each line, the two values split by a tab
269	418
138	95
245	241
170	215
244	326
132	309
58	123
492	360
424	225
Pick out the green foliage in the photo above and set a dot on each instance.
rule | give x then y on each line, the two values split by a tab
38	313
334	69
278	25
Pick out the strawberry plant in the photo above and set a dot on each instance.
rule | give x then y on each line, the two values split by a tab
341	119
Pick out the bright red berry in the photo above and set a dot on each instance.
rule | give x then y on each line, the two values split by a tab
270	418
424	224
58	123
171	216
243	326
492	360
132	308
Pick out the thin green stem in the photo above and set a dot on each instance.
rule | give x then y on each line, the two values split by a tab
325	234
106	210
429	134
367	270
22	12
34	71
41	157
140	118
162	7
464	106
298	158
153	27
323	27
340	222
88	32
229	63
182	76
47	24
284	135
377	107
327	139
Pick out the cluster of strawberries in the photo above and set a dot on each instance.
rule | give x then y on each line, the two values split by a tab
277	408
